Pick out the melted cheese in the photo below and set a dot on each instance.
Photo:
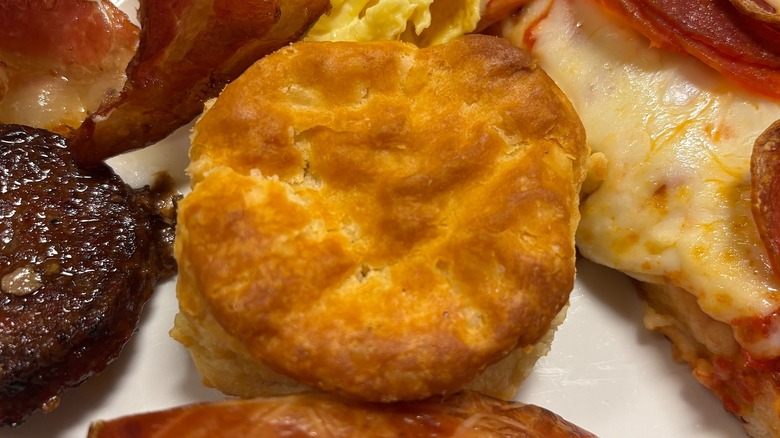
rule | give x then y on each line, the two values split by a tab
674	207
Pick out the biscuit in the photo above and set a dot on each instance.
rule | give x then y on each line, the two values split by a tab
377	220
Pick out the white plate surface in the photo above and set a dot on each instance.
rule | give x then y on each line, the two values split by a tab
605	372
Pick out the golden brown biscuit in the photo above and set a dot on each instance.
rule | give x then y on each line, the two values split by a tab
377	220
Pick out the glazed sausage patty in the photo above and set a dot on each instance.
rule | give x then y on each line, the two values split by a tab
80	252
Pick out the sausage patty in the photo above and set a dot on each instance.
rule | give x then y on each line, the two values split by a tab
80	252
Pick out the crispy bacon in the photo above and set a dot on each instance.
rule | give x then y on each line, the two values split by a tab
765	172
58	59
189	50
737	44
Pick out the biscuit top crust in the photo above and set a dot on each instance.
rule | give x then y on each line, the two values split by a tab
380	220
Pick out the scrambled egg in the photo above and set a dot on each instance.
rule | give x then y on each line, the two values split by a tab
421	22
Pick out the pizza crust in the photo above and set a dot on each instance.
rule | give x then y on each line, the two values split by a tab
717	360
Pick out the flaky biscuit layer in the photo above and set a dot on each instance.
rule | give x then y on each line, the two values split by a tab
379	220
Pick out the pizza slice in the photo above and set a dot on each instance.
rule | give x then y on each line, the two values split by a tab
671	207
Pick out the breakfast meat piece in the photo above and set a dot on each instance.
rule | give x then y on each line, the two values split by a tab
675	207
188	51
379	220
80	253
77	67
59	60
463	415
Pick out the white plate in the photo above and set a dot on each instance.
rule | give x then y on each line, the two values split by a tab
605	372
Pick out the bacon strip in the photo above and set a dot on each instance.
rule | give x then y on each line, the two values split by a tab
738	45
59	59
64	33
189	50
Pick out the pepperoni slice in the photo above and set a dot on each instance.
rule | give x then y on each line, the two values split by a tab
765	171
742	46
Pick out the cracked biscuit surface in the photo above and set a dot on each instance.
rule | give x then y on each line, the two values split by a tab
377	220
